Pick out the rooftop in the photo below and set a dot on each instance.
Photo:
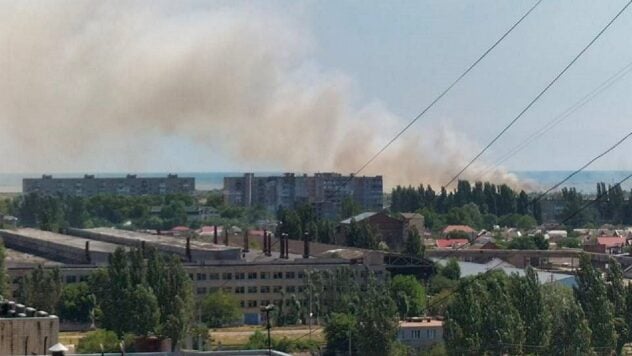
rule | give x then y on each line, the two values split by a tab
423	322
159	239
358	217
464	228
59	239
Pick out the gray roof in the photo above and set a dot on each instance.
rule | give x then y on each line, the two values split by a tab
358	217
473	269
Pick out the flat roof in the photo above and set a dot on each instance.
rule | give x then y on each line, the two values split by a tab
160	239
65	240
16	259
421	323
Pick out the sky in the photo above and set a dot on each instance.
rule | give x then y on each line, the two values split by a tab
381	62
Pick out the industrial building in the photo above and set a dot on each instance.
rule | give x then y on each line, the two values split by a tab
90	185
324	191
188	249
255	277
63	248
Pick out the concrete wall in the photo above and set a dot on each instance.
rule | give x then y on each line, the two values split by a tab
28	336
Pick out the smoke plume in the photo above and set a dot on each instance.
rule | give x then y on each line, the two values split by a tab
91	86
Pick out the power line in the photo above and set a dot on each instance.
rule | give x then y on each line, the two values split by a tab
537	97
583	167
446	90
601	88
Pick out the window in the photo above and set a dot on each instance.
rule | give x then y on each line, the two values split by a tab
290	289
227	276
83	278
252	275
265	302
290	275
278	302
239	290
252	289
201	290
252	304
201	276
213	276
71	279
242	303
301	289
301	275
263	275
265	289
277	275
277	289
191	276
240	275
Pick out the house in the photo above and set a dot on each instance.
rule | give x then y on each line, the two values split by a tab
391	230
451	243
556	235
611	245
458	229
420	333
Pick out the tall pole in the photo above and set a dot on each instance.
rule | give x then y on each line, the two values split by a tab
269	339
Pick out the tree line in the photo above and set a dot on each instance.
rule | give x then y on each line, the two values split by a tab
53	213
499	314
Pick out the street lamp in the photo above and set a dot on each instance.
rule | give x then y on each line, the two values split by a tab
267	309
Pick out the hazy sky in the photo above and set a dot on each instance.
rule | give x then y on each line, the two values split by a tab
403	53
395	57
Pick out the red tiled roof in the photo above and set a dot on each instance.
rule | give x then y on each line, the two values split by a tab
464	228
450	243
180	228
611	241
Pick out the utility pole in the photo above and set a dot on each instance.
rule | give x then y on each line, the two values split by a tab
267	309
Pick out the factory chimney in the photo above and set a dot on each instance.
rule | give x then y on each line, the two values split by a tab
246	247
188	249
282	248
306	245
87	249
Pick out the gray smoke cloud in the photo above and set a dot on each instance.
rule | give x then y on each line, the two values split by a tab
88	85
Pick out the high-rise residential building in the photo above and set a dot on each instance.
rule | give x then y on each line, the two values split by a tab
90	186
324	191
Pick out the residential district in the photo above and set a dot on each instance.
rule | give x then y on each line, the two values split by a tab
321	264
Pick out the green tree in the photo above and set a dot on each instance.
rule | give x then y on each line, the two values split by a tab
377	321
337	332
591	294
501	324
409	295
144	315
414	245
76	302
349	208
570	333
41	289
451	270
5	286
220	309
617	295
526	295
464	318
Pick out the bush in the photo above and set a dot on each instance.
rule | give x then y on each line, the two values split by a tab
91	343
259	341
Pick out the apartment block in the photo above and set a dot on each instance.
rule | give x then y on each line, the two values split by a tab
90	185
324	191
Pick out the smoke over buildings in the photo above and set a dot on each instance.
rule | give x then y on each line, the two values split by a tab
86	85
